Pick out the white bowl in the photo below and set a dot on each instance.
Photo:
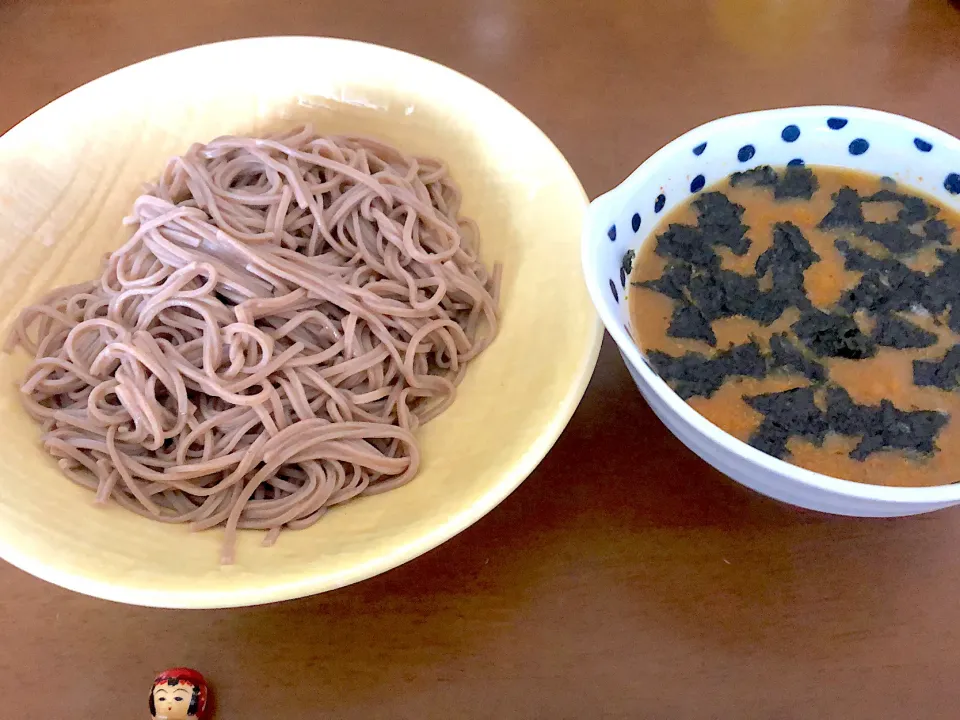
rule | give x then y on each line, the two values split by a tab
622	220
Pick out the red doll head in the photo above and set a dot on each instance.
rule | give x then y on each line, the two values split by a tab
179	694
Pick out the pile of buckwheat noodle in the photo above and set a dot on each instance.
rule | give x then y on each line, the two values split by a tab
287	312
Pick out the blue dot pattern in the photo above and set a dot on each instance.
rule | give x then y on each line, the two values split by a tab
790	133
859	146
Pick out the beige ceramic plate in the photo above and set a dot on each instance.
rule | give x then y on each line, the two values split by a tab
69	173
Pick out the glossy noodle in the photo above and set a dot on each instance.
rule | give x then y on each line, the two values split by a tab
286	314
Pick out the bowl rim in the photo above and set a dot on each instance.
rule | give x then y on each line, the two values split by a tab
252	593
614	201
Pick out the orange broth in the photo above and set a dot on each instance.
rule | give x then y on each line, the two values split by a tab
888	374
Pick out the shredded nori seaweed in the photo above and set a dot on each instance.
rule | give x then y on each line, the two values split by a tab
894	236
847	211
672	283
788	356
887	285
796	182
943	373
787	414
723	293
795	413
897	236
897	332
883	426
720	221
686	243
943	284
786	260
688	322
695	374
913	209
937	231
833	335
760	176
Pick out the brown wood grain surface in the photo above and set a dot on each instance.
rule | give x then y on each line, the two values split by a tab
624	579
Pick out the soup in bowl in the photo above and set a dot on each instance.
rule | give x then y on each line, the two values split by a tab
779	285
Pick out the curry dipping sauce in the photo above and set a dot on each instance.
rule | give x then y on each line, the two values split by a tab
813	312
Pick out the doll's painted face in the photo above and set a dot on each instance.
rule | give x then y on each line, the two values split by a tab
172	702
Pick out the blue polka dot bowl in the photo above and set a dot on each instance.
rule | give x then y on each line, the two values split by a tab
623	219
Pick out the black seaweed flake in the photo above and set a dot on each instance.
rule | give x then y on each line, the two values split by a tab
845	416
788	356
695	374
937	231
789	249
896	332
953	322
913	209
720	221
943	285
626	262
884	195
787	414
723	293
673	281
870	293
786	260
943	373
883	426
688	322
769	306
897	236
833	335
887	285
687	243
847	211
691	374
797	182
894	236
760	176
742	360
795	413
881	294
857	259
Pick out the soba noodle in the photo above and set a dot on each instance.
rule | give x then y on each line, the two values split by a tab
263	347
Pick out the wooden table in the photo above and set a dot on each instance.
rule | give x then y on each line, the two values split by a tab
625	578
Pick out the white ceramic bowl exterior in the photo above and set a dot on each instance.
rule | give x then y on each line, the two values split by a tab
623	219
